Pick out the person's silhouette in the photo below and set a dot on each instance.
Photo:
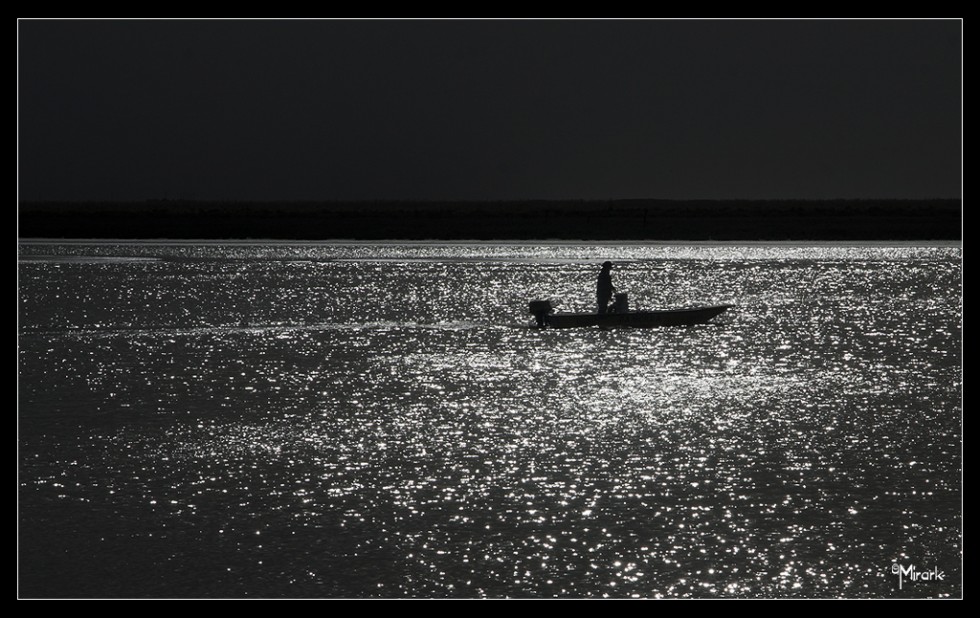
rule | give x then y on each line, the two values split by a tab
604	288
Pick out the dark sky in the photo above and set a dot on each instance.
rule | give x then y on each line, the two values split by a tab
489	109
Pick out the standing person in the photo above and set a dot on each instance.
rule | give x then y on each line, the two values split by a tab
604	288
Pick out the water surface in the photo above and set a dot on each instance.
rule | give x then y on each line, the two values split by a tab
352	420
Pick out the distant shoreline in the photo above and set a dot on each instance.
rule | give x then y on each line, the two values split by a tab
566	220
504	242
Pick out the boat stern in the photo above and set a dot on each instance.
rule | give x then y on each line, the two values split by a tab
540	310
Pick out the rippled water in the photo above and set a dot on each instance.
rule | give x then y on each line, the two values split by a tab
377	420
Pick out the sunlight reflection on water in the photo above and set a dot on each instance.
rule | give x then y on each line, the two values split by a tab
378	420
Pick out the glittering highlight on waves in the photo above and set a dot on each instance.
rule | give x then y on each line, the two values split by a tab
378	420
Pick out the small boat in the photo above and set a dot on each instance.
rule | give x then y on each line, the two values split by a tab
545	316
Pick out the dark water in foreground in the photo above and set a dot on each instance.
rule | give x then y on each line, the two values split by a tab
376	420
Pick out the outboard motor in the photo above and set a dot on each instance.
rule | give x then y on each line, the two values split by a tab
622	303
540	309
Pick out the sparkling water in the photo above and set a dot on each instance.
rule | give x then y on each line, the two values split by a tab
361	420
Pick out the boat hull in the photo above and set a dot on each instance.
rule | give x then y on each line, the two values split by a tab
635	319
